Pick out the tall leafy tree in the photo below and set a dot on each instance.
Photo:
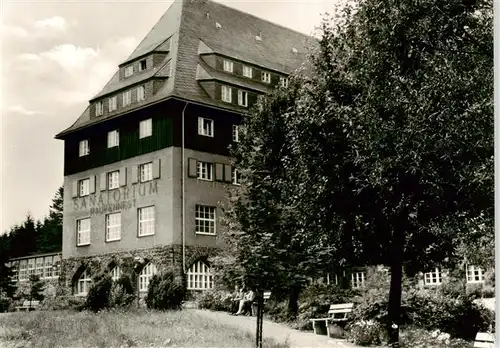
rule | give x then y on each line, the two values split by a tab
404	91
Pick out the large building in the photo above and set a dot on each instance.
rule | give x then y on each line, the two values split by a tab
146	163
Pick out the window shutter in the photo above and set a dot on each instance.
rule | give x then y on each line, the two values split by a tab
200	125
135	177
192	170
227	173
219	172
74	188
92	184
156	169
102	181
123	176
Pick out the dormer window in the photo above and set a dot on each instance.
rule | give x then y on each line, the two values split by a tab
266	77
247	71
127	98
112	105
142	65
228	66
226	94
284	81
141	93
99	108
129	70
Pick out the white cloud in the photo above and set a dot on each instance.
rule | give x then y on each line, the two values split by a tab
14	31
69	56
57	22
21	110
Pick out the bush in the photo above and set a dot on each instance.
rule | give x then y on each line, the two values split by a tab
460	316
418	338
365	333
121	294
166	291
98	296
64	303
315	301
4	304
216	300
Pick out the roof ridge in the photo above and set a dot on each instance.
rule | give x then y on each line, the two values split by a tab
259	18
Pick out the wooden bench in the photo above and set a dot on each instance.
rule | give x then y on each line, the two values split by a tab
28	306
337	314
484	340
266	295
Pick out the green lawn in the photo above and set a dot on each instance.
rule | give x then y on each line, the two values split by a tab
135	328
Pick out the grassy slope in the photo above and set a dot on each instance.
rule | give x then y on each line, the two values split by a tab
119	329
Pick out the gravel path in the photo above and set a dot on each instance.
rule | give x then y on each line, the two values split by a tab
279	332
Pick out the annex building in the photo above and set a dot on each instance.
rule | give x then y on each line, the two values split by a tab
146	163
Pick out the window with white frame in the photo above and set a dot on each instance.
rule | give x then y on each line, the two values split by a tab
242	98
39	267
146	221
247	71
358	279
116	273
23	270
236	131
113	138
84	187
284	81
146	172
83	231
145	276
56	265
127	98
31	267
205	127
226	94
84	148
235	176
99	108
113	227
228	65
141	93
475	274
82	285
205	219
145	128
266	77
205	170
129	70
199	277
48	267
433	278
114	180
112	103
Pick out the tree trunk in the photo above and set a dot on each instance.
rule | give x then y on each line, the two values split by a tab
395	290
293	301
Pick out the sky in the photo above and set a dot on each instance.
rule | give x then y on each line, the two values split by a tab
56	55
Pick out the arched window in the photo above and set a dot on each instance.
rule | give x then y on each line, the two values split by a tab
116	273
82	285
145	276
199	277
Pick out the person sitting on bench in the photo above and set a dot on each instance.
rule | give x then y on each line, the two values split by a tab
237	297
246	303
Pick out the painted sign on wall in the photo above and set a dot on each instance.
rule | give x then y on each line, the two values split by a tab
122	198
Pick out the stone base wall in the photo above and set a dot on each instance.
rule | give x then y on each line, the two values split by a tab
131	263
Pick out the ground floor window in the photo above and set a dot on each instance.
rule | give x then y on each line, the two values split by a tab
475	274
358	279
116	273
433	278
199	277
145	276
83	284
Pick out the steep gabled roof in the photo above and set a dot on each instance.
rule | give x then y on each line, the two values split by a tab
194	27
